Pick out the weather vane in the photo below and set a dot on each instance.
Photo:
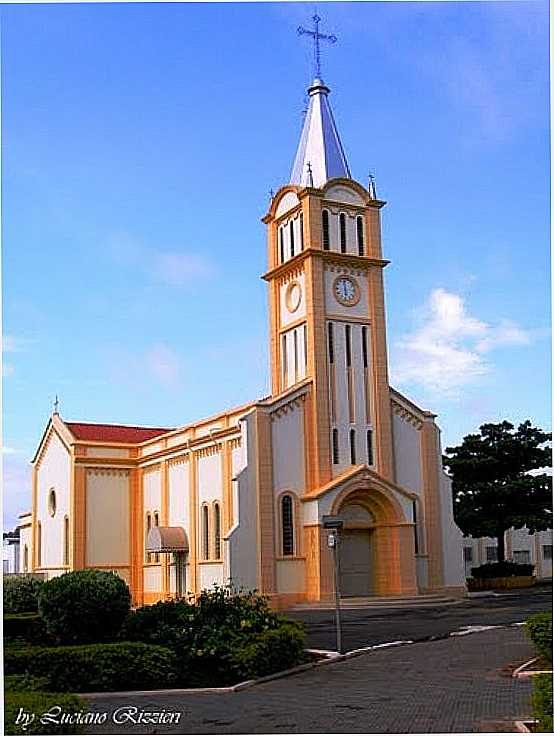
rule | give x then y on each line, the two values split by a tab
317	37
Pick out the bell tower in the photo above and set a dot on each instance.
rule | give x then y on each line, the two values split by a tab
326	298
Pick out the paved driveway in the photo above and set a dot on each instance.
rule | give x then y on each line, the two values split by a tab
451	685
364	627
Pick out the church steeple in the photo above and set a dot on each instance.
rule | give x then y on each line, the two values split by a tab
320	155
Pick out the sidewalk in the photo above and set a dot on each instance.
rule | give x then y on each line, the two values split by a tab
452	685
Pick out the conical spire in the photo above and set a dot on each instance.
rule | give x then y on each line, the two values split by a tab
320	144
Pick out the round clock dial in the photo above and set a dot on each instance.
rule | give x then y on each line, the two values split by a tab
293	296
346	291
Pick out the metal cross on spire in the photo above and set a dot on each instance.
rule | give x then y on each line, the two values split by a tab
317	37
56	405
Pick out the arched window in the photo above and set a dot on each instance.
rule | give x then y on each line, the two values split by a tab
291	236
335	446
353	447
301	231
342	227
364	346
287	516
369	447
39	544
66	540
360	234
282	244
284	359
217	531
25	559
295	345
325	229
148	527
331	342
205	533
52	502
348	346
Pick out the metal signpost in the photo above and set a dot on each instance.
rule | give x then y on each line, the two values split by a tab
335	524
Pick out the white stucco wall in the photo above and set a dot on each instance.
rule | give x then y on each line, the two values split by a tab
287	437
290	576
107	517
178	511
54	471
240	545
407	454
514	540
152	490
454	573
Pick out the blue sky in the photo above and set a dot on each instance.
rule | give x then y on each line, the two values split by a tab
139	144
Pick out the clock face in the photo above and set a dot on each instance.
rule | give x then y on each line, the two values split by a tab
346	291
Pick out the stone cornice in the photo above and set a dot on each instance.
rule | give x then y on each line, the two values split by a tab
346	259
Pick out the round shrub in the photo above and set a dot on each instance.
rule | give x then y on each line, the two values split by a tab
85	606
21	593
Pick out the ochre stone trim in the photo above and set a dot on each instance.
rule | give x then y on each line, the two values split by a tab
193	517
431	493
264	488
116	472
78	512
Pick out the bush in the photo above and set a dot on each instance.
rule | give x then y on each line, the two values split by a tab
225	637
95	667
539	629
24	683
21	593
24	628
501	570
40	703
273	651
85	606
542	703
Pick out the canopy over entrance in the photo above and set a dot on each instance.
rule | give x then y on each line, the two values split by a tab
167	539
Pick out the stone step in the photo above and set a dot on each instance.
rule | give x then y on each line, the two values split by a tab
419	601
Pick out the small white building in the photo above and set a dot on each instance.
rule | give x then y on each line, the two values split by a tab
520	546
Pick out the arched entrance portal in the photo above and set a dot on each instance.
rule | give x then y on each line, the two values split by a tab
377	555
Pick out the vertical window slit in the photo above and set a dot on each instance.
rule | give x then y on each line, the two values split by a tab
325	229
335	446
353	447
360	233
342	221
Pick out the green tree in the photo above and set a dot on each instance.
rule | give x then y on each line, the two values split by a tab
492	485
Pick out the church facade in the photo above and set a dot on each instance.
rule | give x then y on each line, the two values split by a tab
240	497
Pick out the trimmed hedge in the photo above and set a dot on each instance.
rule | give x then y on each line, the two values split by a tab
40	703
95	667
539	629
21	593
504	569
25	628
84	606
542	703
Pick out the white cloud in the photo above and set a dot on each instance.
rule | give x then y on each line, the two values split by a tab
9	451
170	266
445	351
179	269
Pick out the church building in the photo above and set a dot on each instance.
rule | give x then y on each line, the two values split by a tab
240	497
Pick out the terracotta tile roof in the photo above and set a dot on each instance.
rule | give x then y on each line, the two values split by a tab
113	432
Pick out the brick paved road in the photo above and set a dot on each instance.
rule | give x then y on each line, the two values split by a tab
451	685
